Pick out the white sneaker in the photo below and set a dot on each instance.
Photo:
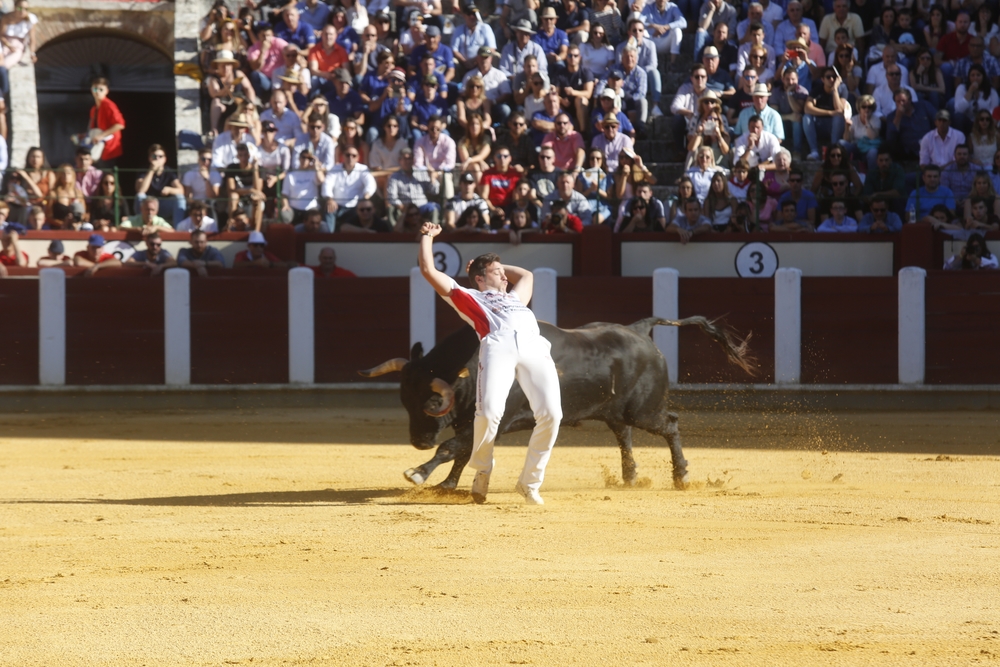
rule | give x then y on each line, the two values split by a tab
530	496
480	486
655	113
813	157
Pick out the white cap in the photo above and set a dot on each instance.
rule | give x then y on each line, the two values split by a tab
256	237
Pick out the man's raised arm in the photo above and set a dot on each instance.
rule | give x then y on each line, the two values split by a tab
522	282
439	281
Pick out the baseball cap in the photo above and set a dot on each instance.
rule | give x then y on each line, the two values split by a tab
268	126
485	51
96	240
56	247
628	152
761	89
406	151
468	178
616	73
341	74
255	238
608	93
942	114
470	8
398	73
433	31
710	52
430	79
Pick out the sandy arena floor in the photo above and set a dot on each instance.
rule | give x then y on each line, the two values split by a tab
291	538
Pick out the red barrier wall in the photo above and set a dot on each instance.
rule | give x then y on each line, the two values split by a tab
239	330
360	322
18	332
849	330
963	327
114	331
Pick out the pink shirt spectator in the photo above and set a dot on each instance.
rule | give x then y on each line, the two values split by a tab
273	57
439	156
89	180
565	148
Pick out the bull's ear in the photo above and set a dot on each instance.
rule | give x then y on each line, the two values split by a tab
417	352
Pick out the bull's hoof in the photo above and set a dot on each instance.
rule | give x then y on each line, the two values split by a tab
448	485
631	481
414	477
683	482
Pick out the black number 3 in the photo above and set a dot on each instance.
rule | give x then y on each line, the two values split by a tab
758	266
441	264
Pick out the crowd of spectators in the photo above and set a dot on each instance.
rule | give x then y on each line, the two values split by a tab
818	116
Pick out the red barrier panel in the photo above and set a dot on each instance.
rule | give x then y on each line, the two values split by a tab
360	322
586	299
745	305
849	330
18	331
114	331
963	321
239	330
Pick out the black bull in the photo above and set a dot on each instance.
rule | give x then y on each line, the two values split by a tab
607	372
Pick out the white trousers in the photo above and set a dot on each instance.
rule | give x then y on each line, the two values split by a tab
504	357
670	41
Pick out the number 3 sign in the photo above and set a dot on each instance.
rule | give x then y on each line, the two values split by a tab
447	259
756	260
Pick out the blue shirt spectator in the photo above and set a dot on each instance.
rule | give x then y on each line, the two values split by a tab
647	54
349	39
417	82
443	56
315	16
892	223
807	200
538	135
302	36
210	255
343	107
468	42
624	124
786	32
372	85
923	200
634	84
671	15
551	44
423	110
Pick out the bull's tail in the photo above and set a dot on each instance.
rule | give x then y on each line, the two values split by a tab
735	346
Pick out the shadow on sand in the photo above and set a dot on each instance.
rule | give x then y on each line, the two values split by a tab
422	496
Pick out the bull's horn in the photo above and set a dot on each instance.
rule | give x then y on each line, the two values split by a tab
439	386
387	367
464	373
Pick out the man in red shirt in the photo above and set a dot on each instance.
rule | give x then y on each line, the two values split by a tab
955	45
327	56
10	253
94	257
328	266
106	122
567	144
498	183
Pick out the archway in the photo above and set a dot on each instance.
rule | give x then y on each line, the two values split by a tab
142	85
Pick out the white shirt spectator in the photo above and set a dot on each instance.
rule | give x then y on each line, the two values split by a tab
702	180
684	99
224	149
496	82
439	157
301	189
323	150
4	157
876	74
885	99
208	225
765	150
935	150
193	181
347	188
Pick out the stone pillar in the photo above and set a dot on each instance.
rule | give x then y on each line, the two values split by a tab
301	326
666	284
912	331
787	326
177	327
544	300
52	327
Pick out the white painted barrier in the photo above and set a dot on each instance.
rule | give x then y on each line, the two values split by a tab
912	329
787	326
301	326
52	327
177	327
665	298
423	324
545	298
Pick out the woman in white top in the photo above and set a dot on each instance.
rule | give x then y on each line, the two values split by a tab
986	27
701	174
538	86
357	14
383	159
596	53
977	94
861	133
18	32
983	138
275	159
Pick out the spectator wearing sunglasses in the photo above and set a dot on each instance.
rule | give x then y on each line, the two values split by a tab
880	220
154	257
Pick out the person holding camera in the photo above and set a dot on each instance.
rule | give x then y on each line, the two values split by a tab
973	256
710	131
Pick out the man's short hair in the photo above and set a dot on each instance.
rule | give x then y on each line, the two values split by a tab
696	67
931	167
151	236
198	232
788	202
383	56
754	27
155	147
479	264
100	81
839	31
81	151
755	119
197	206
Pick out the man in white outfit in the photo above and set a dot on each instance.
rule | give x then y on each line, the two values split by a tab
511	347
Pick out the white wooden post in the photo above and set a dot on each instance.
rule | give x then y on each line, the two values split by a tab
912	330
52	326
301	326
787	326
665	290
177	327
422	314
545	298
